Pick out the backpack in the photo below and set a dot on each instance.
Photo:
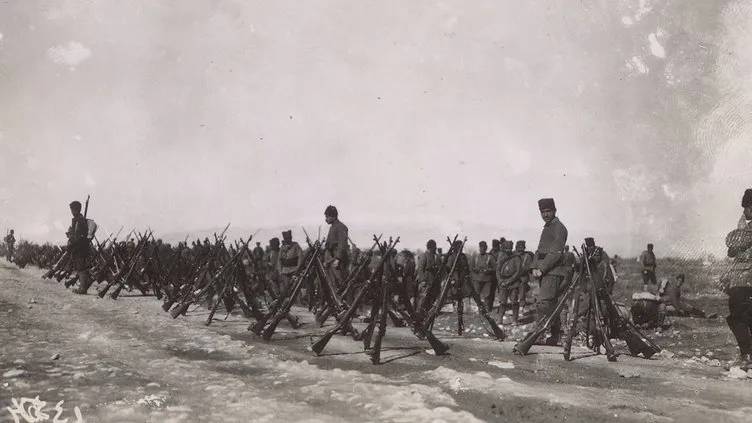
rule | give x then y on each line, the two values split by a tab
91	227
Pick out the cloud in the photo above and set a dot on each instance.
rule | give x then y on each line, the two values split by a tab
71	54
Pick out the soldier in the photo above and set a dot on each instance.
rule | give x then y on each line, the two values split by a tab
78	245
484	274
408	276
429	277
737	283
670	293
647	259
337	257
10	242
258	252
506	273
290	261
548	266
460	280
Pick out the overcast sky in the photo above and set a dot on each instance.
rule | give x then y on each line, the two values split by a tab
635	115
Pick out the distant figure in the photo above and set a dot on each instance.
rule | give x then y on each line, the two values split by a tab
737	283
79	247
460	279
409	281
484	274
272	266
290	261
429	277
10	242
670	293
337	254
648	262
258	252
548	266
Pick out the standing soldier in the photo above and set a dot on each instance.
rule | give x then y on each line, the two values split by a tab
548	266
737	283
78	245
408	276
484	274
337	257
429	274
514	285
460	279
258	252
10	242
647	259
290	261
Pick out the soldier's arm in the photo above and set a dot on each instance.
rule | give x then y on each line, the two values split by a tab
553	258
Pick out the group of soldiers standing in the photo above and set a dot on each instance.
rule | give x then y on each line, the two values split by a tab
501	275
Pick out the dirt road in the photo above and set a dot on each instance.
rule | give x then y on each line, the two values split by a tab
127	360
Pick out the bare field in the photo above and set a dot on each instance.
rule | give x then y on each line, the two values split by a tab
127	360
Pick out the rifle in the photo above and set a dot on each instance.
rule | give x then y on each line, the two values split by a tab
193	296
344	319
439	302
278	313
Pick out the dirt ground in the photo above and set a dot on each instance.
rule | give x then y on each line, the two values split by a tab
128	361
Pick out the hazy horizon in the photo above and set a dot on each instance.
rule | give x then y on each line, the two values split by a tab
453	117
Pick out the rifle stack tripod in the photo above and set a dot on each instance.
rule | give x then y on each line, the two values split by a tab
603	321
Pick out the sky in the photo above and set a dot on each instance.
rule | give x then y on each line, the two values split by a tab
418	119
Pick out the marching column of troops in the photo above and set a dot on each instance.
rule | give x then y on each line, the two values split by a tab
502	276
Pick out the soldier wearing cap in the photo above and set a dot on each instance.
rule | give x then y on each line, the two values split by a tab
460	279
548	266
737	283
78	245
429	277
337	257
484	274
290	261
648	262
513	278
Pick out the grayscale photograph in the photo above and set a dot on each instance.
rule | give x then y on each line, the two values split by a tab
375	211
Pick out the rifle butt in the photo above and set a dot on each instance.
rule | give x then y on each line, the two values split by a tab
318	346
439	348
177	311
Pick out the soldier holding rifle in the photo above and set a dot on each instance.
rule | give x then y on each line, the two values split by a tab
549	267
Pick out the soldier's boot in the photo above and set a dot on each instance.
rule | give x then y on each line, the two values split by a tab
84	281
741	331
515	313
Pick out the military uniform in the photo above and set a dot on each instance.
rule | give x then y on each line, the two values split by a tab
429	279
648	261
460	278
549	260
80	248
290	261
513	275
484	277
337	248
737	284
10	242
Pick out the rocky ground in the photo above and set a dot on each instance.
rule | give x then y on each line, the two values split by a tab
127	360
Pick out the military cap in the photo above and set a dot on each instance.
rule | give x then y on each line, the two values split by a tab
546	204
274	241
495	243
430	243
331	211
650	246
75	205
747	198
406	253
507	245
589	242
520	244
482	244
287	235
